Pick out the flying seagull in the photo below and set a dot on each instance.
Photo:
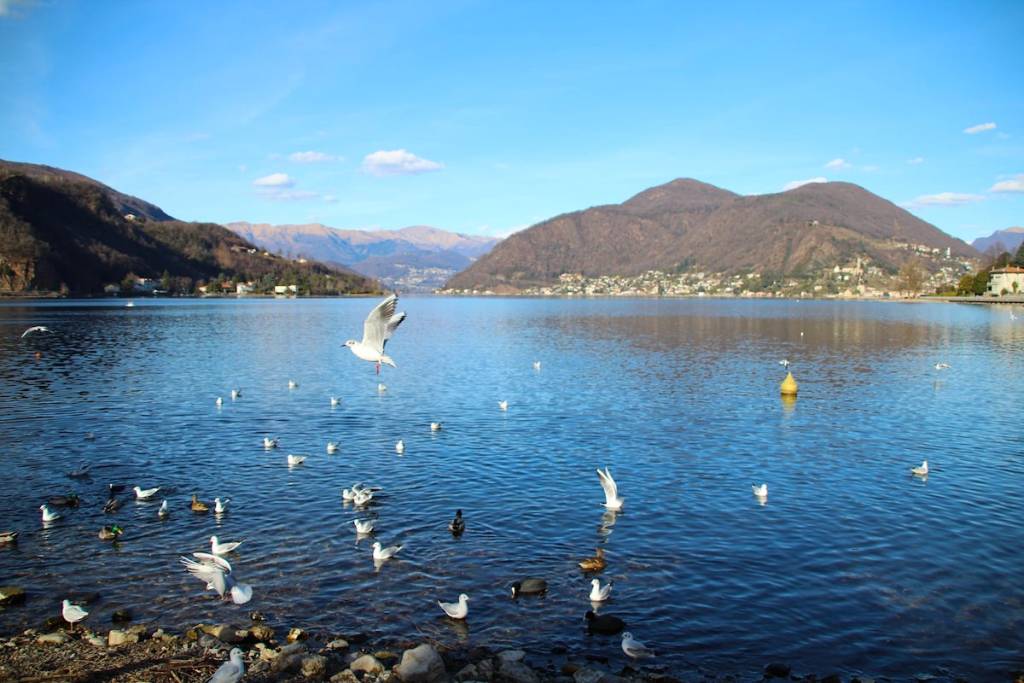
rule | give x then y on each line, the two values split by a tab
377	329
37	328
611	490
216	573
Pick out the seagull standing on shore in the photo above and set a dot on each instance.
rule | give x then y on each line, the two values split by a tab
377	330
72	613
230	671
456	610
611	490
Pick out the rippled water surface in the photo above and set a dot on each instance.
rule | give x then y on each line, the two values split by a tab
853	565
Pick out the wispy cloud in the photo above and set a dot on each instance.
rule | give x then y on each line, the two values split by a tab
274	180
279	195
1015	184
311	157
793	184
980	128
915	161
13	8
398	162
945	199
838	163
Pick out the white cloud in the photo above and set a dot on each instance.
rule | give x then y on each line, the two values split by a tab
945	199
311	157
398	162
838	163
274	180
915	161
10	8
280	195
330	198
792	185
980	128
1015	184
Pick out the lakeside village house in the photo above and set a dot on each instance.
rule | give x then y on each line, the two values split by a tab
1007	280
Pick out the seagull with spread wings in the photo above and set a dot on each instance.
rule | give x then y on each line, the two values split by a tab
378	328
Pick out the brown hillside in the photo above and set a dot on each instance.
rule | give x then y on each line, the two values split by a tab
686	224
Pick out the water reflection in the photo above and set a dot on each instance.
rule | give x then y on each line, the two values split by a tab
677	397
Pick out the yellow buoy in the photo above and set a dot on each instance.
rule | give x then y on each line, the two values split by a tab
788	386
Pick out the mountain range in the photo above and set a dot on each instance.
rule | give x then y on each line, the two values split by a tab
690	225
62	231
417	258
1010	239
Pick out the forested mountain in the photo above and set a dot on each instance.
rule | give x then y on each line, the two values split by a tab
61	231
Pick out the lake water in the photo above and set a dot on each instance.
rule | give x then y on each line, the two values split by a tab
853	565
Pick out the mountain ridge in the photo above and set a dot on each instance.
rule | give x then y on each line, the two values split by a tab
687	224
1011	239
416	258
62	231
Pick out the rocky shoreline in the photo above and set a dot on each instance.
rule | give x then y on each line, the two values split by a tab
147	653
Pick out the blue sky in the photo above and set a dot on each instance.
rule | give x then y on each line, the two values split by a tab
486	117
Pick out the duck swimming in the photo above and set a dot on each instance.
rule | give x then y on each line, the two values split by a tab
70	501
457	525
529	586
605	624
198	505
112	505
594	564
110	533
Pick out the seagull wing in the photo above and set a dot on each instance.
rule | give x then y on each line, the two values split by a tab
210	559
611	490
211	574
381	324
229	672
241	593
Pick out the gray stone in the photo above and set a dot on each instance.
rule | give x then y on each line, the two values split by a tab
468	673
337	644
314	666
11	595
421	664
515	672
117	637
486	669
55	638
296	634
261	632
223	633
595	676
367	664
511	656
96	640
345	676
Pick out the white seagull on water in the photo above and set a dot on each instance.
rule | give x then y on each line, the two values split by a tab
218	548
400	447
377	330
503	405
611	490
599	593
269	443
220	506
294	460
456	610
332	447
921	471
363	527
145	494
48	514
634	648
380	554
760	491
